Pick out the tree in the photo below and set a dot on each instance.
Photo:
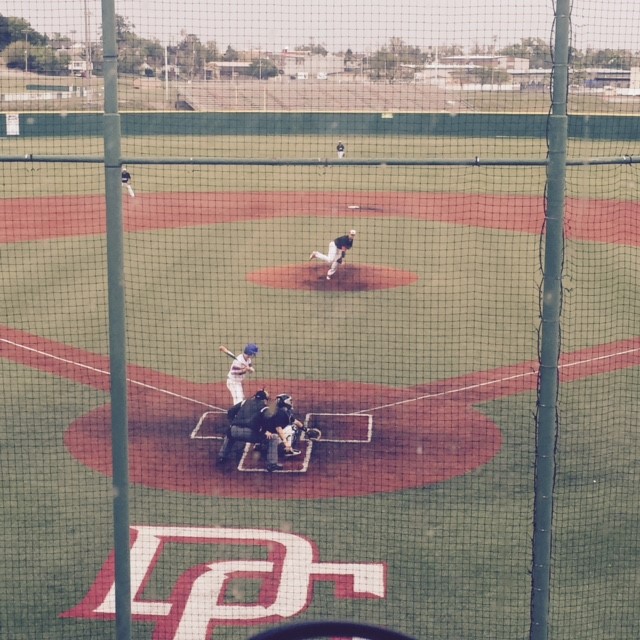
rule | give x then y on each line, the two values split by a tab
58	41
17	56
5	35
381	64
36	58
536	50
130	61
230	55
262	68
483	75
47	61
124	31
211	51
450	50
191	56
608	58
14	30
315	49
20	29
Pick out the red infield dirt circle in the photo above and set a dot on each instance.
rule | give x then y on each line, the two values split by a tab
411	444
312	276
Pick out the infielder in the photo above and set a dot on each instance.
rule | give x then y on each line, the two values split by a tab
240	367
126	181
337	252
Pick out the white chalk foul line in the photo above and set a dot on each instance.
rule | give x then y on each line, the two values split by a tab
488	383
427	396
137	383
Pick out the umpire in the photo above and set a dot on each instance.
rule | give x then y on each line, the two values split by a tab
248	425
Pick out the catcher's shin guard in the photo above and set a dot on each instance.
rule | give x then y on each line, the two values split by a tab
295	436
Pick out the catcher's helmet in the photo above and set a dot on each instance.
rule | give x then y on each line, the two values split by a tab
251	349
285	400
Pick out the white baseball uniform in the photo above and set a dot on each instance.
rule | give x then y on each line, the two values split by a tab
236	375
336	249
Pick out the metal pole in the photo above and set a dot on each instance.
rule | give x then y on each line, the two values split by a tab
117	334
87	38
545	466
166	74
26	50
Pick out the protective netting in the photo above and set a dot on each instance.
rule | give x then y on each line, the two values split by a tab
417	360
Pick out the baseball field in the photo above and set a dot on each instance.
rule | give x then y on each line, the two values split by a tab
418	362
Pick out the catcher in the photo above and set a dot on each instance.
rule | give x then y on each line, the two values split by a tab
337	252
280	415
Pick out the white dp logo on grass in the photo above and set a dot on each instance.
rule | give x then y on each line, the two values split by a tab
204	598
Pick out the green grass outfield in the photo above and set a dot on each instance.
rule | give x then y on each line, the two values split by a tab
27	178
457	554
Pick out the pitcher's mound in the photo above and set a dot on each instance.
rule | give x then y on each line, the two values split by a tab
349	277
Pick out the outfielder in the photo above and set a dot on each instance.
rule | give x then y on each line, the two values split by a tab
240	367
337	252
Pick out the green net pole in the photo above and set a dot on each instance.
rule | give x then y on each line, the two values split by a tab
117	342
550	333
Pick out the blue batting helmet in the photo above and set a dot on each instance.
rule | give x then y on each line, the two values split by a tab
251	349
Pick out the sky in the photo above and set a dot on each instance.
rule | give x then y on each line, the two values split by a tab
361	25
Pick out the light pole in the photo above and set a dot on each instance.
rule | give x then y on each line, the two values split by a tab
166	73
26	50
87	37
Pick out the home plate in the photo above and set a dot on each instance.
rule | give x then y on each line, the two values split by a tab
253	461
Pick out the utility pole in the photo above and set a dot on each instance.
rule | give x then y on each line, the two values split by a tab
26	50
87	41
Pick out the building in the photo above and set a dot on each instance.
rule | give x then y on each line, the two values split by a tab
306	65
78	67
219	69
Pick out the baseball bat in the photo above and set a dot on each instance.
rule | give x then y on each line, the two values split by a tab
235	357
229	353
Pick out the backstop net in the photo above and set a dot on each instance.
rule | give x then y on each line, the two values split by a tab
361	191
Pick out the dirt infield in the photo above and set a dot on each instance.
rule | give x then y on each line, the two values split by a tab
24	219
449	436
312	277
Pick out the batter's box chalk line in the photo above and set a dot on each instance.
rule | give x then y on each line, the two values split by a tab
196	433
365	207
360	425
299	464
347	428
363	425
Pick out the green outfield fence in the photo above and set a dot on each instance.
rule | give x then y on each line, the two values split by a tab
489	125
471	367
